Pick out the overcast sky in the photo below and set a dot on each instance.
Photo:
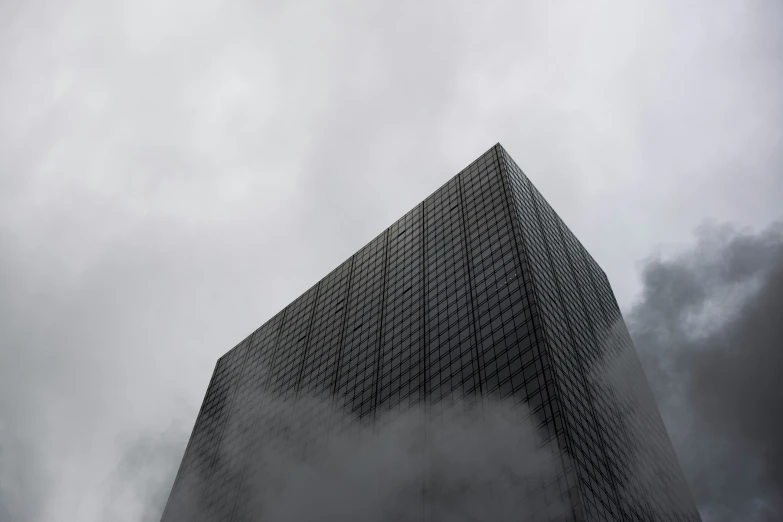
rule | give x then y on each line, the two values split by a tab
173	173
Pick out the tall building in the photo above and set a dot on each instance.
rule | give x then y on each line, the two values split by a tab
480	291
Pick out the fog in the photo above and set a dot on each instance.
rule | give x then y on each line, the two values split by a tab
474	461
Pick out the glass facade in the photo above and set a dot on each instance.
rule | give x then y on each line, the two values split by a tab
481	291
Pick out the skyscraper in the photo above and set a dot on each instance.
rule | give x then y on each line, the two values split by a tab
480	291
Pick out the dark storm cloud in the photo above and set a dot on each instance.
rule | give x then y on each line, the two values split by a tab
709	332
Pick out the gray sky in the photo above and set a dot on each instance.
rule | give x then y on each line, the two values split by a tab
173	173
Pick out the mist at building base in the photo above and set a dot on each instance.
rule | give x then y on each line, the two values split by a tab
707	328
474	461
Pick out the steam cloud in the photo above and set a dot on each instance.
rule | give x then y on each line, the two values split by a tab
708	328
474	462
708	332
139	487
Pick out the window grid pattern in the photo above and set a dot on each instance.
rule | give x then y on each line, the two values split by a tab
512	364
260	413
663	485
479	291
220	479
188	479
317	375
599	479
451	370
582	322
401	365
242	432
569	376
359	351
